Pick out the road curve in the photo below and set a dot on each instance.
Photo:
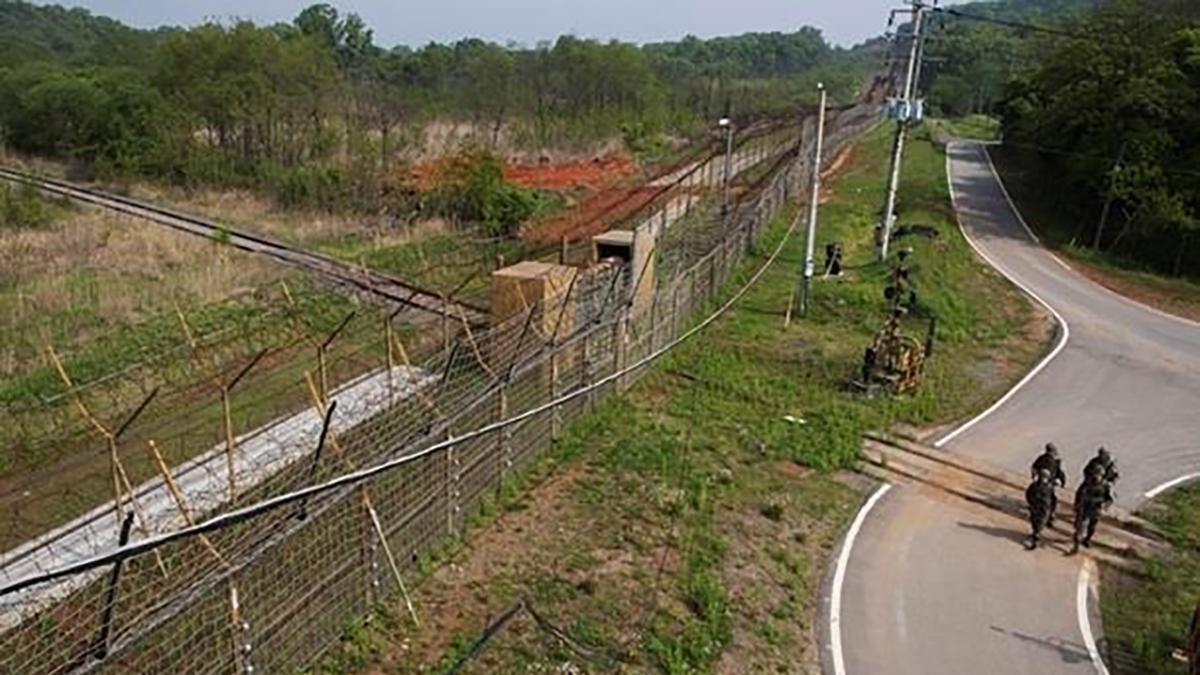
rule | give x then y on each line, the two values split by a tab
933	587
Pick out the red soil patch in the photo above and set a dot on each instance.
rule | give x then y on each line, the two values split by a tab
589	174
593	216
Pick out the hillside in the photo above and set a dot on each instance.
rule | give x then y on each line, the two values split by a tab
55	34
973	60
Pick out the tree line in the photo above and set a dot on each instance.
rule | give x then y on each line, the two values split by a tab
317	113
1115	116
972	60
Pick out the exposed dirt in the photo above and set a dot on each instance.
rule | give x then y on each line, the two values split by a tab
846	162
593	216
1177	301
552	540
586	174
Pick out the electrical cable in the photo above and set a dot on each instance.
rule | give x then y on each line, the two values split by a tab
239	515
1020	25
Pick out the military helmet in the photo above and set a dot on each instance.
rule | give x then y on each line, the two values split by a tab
1051	448
1103	453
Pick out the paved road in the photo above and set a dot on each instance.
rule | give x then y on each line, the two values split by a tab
933	587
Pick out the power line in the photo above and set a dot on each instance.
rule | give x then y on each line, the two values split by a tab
1087	155
236	516
1020	25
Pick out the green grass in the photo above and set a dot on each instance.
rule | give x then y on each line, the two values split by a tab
978	127
24	208
54	446
695	471
1146	618
442	262
1061	227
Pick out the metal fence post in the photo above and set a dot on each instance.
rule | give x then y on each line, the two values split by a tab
556	411
503	447
452	464
620	332
675	312
586	363
712	275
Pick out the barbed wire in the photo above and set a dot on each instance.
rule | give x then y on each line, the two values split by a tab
420	437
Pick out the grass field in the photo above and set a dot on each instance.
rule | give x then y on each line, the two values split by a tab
1146	618
1047	213
684	527
978	127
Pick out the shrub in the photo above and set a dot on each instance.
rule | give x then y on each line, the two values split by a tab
309	187
472	188
24	208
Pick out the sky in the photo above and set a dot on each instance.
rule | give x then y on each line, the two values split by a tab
416	22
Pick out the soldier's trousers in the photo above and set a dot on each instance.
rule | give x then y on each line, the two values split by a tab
1085	525
1038	519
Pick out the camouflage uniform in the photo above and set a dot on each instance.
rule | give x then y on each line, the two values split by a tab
1050	461
1092	497
1040	498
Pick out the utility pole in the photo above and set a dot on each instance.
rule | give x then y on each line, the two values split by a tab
1108	200
813	205
727	124
907	111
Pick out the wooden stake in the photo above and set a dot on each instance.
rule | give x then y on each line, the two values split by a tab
229	445
387	551
474	345
419	390
319	405
180	502
187	330
445	323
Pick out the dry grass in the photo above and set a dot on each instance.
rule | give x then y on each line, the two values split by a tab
94	271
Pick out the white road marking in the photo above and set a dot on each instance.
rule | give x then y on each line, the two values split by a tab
1156	491
1135	303
1011	203
1085	622
1081	591
839	579
1066	329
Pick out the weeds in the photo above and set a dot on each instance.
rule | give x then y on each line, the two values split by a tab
24	208
1146	618
705	509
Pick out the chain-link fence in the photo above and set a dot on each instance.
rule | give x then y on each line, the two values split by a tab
256	554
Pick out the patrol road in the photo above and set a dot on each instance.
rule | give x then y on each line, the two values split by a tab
932	587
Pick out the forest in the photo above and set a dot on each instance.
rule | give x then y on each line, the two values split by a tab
1113	114
315	113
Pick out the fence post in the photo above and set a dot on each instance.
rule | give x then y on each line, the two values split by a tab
653	325
675	312
587	368
620	332
445	323
556	411
712	276
452	463
503	447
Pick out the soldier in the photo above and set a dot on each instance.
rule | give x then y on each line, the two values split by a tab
1104	465
1040	498
1092	497
1049	461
